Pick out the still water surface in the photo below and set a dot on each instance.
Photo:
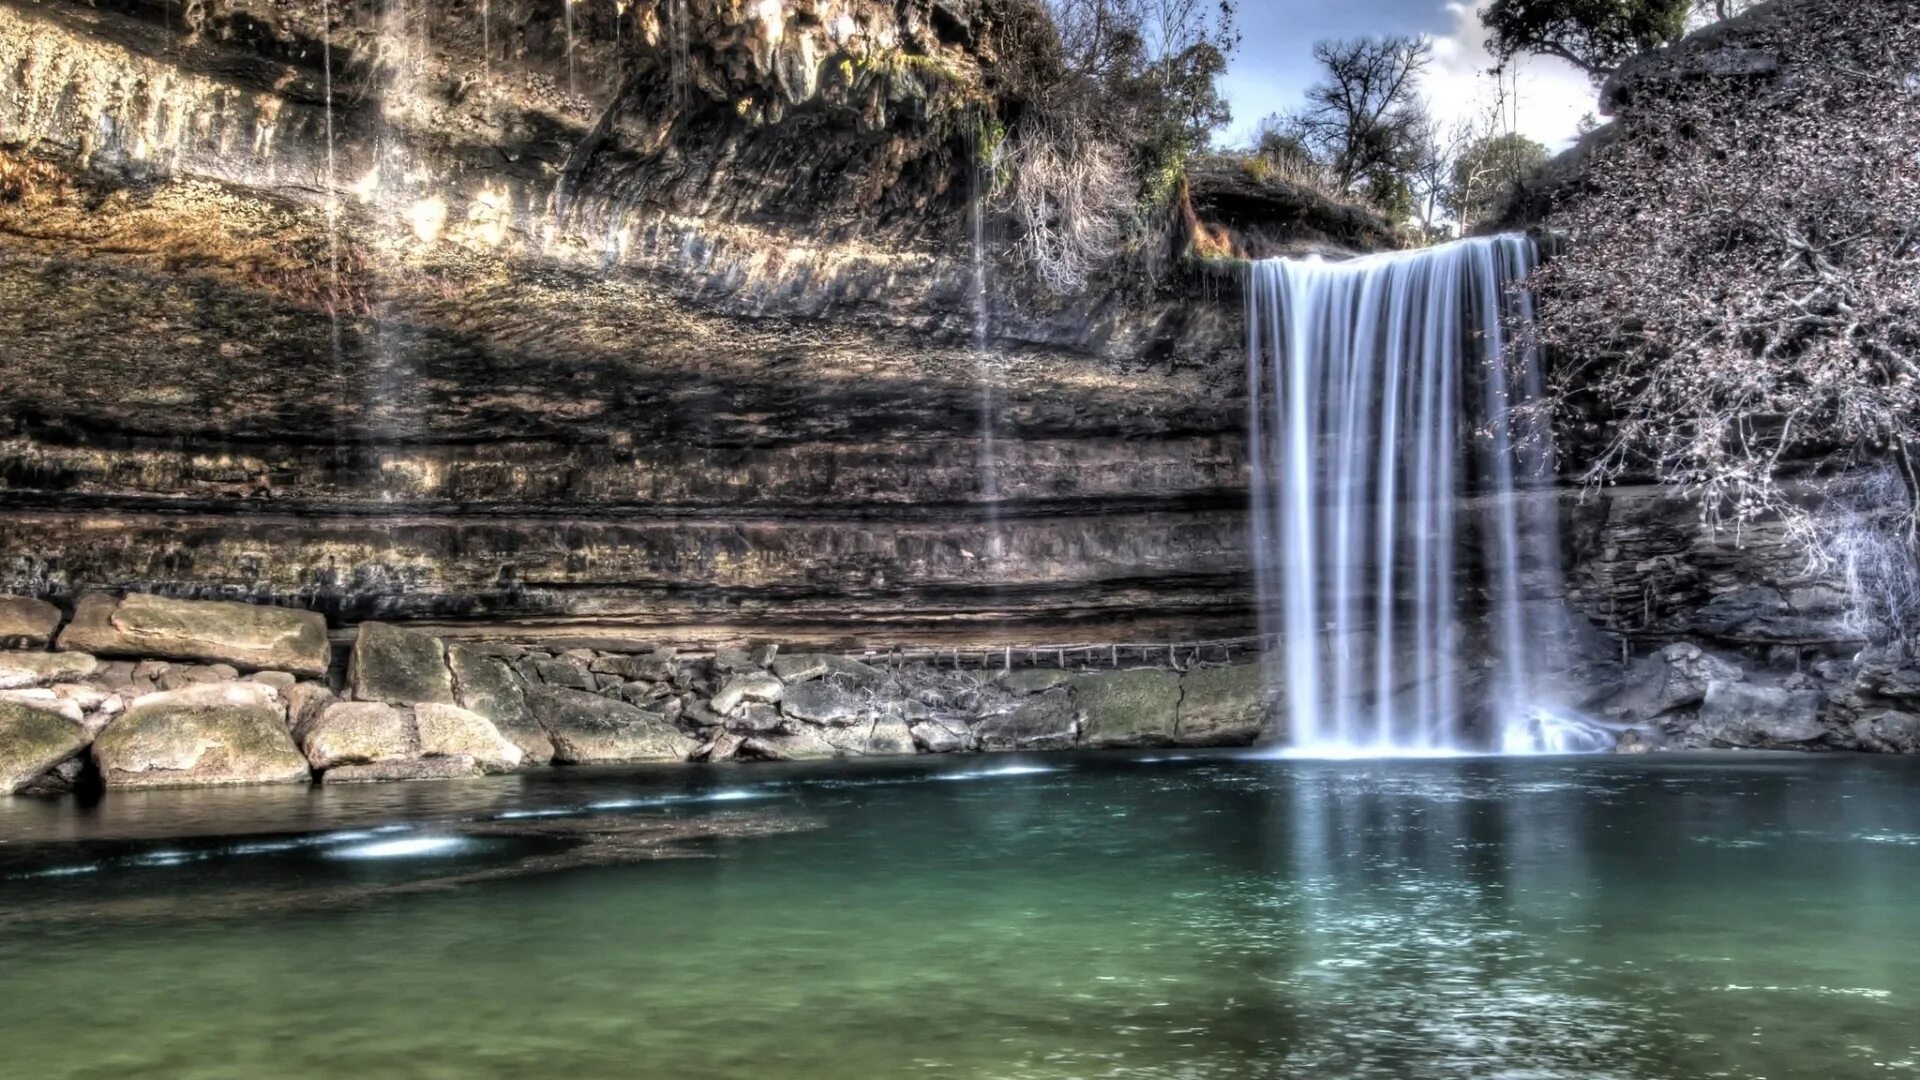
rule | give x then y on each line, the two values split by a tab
1145	916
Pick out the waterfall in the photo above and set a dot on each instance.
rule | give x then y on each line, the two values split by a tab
1402	502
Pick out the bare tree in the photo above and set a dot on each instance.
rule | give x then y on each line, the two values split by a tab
1365	115
1740	299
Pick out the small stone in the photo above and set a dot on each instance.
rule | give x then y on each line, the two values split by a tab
151	670
279	680
114	675
764	655
732	661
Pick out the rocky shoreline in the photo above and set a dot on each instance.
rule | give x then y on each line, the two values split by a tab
150	692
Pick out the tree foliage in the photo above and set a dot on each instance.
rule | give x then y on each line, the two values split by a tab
1485	171
1593	35
1739	300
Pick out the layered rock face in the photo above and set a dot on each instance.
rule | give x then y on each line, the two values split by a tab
413	312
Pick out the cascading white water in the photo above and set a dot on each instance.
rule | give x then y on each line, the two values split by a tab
1391	457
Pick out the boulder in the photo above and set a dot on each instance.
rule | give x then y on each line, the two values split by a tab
23	669
207	735
250	636
1768	717
488	685
26	623
806	744
1887	732
1674	678
756	686
732	662
799	667
942	735
399	667
455	767
32	742
279	680
1633	741
359	733
853	672
587	729
1222	706
1043	722
451	731
1128	708
872	738
724	747
820	703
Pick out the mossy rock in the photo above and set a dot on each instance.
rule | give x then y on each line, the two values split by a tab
199	738
252	637
33	741
1127	708
399	667
1222	706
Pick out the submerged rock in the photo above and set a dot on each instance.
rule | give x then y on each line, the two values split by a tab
26	623
206	735
587	729
32	742
23	669
250	636
1128	708
453	767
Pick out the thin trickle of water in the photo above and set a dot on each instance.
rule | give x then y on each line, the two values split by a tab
566	6
1367	437
983	368
333	187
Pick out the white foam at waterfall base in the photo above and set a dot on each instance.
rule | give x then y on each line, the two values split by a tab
1384	393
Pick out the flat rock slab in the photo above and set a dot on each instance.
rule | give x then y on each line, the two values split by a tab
199	737
755	686
590	730
1222	706
252	637
32	742
1128	708
26	623
399	667
23	669
487	685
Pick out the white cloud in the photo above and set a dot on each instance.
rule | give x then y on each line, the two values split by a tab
1545	97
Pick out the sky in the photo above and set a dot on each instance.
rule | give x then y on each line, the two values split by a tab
1271	72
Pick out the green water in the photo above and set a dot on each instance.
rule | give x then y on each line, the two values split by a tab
1111	917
